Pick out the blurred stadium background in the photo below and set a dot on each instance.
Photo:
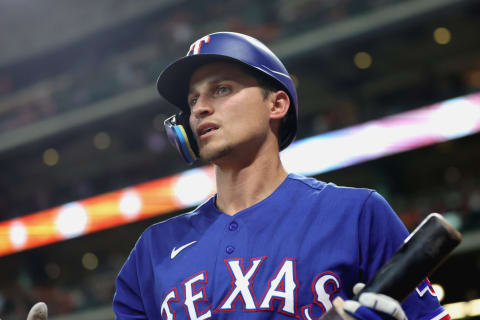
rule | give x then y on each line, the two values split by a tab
80	117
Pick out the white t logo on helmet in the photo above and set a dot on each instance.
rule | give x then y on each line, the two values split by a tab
195	47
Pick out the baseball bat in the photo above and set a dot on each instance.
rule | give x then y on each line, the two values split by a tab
422	252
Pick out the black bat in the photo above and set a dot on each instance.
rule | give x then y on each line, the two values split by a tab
423	251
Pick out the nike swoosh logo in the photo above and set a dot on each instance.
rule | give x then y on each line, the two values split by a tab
176	251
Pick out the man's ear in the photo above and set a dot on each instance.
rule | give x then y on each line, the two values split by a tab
280	103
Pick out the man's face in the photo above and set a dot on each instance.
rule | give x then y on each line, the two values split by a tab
229	114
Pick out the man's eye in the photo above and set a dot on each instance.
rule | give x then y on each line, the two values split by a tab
221	90
193	101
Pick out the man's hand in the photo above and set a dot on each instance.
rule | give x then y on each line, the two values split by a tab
38	312
373	306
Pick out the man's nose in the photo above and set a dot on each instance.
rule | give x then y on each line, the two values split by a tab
202	108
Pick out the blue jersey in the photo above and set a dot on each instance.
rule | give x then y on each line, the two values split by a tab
287	256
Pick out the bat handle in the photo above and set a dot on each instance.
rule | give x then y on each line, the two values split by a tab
421	253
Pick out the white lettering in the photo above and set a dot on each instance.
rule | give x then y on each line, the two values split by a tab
425	287
286	276
306	310
192	296
325	286
165	310
241	281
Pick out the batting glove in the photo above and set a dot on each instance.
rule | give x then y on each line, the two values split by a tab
373	306
38	312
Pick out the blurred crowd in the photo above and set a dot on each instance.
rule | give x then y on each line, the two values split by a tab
63	294
134	59
458	201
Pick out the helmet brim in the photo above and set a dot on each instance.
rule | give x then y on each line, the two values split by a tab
173	82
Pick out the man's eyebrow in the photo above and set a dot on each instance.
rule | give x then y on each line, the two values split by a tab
213	80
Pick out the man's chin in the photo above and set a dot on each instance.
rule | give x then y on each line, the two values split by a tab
213	155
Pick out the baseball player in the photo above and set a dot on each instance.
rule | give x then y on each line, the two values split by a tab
269	244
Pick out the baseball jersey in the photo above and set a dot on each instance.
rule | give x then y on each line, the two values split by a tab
288	256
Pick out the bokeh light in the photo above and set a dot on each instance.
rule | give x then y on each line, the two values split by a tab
102	141
442	35
90	261
439	291
362	60
50	157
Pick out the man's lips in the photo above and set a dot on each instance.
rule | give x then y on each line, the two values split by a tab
206	129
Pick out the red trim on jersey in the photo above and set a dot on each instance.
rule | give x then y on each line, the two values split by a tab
446	317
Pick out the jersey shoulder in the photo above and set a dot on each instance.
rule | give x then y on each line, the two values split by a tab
176	228
332	191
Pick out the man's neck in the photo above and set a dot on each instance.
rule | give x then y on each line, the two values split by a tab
241	186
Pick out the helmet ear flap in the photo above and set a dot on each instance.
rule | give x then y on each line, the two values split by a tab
181	137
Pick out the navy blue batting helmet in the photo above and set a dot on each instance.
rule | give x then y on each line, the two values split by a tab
173	83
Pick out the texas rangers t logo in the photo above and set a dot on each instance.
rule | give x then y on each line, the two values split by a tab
195	47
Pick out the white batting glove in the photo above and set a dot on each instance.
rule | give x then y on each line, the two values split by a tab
38	312
373	306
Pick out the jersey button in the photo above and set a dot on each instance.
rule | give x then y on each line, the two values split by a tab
229	249
233	226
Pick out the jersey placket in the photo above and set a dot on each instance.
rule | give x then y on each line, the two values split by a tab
230	265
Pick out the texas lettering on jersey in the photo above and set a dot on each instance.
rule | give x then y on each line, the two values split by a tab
281	287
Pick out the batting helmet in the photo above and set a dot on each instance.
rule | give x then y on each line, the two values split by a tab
173	83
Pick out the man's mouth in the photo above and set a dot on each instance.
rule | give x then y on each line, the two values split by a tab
206	129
